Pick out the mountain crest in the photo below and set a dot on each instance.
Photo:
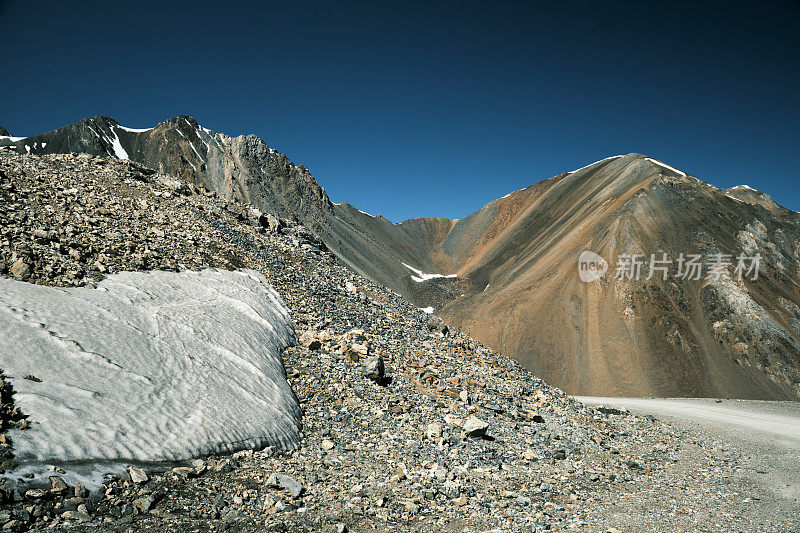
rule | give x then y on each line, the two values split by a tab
240	168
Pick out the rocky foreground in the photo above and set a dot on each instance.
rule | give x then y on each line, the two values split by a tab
407	425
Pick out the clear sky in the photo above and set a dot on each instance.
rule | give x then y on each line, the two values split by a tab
423	108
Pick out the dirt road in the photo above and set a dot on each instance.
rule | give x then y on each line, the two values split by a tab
752	483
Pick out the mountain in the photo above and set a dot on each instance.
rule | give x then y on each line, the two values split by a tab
455	437
241	168
517	286
674	337
246	170
508	273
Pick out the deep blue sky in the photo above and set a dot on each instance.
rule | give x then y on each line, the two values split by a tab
418	109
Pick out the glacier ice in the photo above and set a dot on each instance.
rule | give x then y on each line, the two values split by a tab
147	368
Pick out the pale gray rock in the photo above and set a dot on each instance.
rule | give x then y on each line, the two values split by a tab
138	475
475	427
287	483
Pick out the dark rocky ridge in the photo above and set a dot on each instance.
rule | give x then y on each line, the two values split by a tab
243	168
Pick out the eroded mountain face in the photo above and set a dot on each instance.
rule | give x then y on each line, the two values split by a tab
673	337
508	273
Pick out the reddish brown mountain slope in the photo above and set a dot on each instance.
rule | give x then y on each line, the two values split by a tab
519	288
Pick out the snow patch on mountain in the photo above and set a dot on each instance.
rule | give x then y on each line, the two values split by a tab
512	192
659	163
119	151
591	164
421	276
134	130
196	152
146	368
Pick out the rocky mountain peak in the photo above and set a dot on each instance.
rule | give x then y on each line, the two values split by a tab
243	168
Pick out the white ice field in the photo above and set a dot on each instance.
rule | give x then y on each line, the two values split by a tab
146	368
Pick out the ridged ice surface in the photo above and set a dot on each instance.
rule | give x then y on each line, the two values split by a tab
148	367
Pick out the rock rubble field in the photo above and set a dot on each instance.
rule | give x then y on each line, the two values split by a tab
407	423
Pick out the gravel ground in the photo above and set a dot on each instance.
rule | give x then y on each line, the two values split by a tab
408	424
762	492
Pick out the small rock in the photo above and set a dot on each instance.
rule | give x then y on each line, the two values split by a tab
433	431
20	269
76	515
361	349
35	494
144	504
57	485
529	455
199	466
450	490
138	475
374	368
314	345
327	444
223	466
475	427
184	471
437	324
80	491
310	341
286	483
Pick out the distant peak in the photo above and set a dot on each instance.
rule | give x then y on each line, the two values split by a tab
103	119
188	119
4	132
